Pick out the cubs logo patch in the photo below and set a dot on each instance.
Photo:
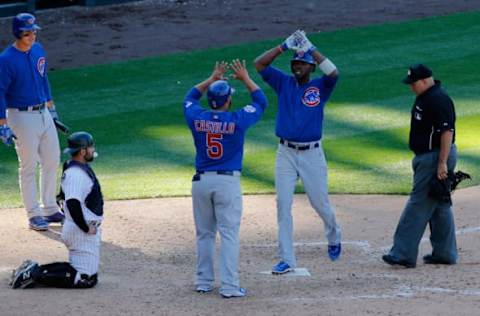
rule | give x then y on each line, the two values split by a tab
311	97
249	109
41	66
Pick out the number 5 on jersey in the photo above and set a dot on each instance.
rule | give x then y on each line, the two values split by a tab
214	145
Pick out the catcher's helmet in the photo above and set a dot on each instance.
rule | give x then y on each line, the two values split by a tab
77	141
23	22
305	57
218	93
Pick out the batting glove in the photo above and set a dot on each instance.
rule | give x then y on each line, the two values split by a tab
292	42
304	44
6	135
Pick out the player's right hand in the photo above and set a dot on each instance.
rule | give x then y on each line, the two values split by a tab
6	135
292	42
219	71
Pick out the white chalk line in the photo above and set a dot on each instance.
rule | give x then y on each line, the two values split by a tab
6	269
362	244
402	292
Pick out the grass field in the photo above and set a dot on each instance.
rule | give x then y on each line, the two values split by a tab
134	111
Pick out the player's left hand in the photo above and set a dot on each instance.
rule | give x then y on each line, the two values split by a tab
92	229
219	71
442	171
6	135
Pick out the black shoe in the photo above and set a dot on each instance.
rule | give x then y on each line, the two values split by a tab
391	260
430	259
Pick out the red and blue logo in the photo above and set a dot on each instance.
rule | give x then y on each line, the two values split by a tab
41	66
311	97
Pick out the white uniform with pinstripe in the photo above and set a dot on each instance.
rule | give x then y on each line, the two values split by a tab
84	249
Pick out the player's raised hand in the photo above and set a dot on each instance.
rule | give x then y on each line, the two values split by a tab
304	44
219	70
239	69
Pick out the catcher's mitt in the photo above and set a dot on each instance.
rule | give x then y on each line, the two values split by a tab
442	189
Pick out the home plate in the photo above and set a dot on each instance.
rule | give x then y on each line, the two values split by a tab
298	272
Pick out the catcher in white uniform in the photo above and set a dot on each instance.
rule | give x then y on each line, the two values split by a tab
83	207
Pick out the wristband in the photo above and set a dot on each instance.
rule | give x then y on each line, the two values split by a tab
327	66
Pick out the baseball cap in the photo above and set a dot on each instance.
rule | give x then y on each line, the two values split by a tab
417	72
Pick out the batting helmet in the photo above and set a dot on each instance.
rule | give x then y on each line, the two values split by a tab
218	93
23	22
77	141
305	57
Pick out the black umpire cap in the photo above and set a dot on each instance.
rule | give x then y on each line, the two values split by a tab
77	141
417	72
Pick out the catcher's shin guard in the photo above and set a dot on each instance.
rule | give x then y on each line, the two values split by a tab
57	274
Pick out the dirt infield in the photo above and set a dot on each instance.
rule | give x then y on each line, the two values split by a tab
78	36
148	258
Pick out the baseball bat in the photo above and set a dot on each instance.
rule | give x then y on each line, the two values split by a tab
62	127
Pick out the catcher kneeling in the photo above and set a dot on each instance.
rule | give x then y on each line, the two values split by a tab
81	233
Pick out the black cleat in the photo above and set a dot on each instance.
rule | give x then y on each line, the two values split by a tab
391	260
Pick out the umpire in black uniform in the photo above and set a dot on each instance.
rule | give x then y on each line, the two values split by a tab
432	139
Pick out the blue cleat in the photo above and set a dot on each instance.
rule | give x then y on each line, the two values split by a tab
281	268
334	251
38	223
57	217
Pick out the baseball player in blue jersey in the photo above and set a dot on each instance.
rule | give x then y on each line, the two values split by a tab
81	232
27	114
216	193
301	102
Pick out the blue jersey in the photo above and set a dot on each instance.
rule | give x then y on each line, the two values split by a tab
300	107
23	78
219	136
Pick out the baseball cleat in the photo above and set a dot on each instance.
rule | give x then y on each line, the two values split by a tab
391	260
23	275
57	217
334	251
240	292
204	288
281	268
431	259
38	223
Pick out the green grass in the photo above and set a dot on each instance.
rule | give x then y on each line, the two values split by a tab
134	111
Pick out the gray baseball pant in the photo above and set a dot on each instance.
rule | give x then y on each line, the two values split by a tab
217	205
311	166
36	143
421	209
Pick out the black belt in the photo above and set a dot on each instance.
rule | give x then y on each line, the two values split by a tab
196	176
37	107
224	172
299	147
